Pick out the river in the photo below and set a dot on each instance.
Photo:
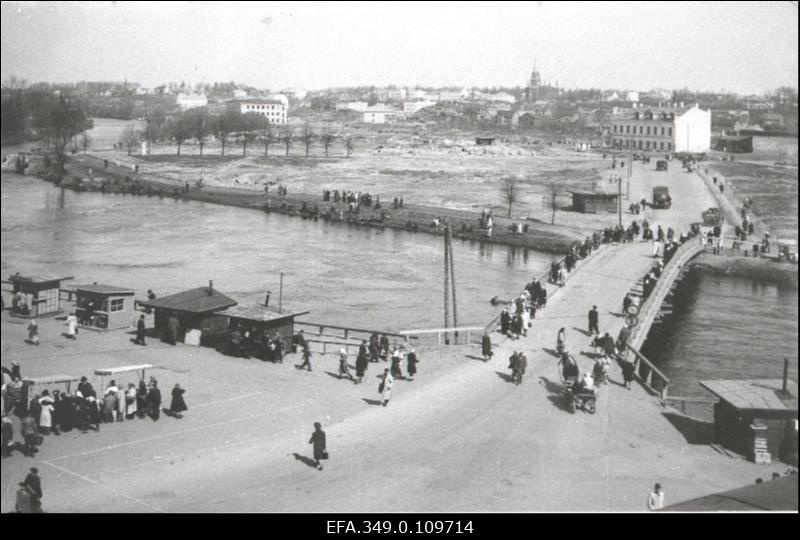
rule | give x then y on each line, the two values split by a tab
343	274
725	328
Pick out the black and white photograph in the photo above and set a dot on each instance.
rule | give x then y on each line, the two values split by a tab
425	263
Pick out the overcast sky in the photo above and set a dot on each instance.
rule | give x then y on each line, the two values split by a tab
746	47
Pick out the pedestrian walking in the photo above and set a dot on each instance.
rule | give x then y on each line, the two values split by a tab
395	366
594	321
486	347
628	369
561	340
344	369
34	484
385	388
33	332
362	361
412	360
178	405
72	326
153	401
140	327
656	499
131	401
306	358
172	330
7	436
318	440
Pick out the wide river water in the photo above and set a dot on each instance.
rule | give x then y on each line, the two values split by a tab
364	277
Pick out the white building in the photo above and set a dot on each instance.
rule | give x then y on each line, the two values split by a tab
376	115
358	106
410	107
191	101
275	110
632	97
397	94
239	94
665	130
502	96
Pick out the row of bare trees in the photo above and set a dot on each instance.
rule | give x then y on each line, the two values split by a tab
510	191
244	129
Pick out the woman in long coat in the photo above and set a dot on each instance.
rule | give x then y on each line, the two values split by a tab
318	440
486	347
131	400
141	399
412	360
178	405
387	383
46	414
361	362
72	326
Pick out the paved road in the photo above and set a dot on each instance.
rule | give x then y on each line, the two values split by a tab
462	440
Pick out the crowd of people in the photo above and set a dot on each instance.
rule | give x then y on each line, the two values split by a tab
61	411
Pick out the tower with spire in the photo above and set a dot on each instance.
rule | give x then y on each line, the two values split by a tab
532	92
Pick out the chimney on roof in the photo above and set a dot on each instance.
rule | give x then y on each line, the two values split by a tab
210	287
266	302
785	374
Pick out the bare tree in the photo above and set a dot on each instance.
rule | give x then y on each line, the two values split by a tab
57	122
86	141
130	138
349	146
551	199
510	190
327	139
246	138
224	125
199	124
307	136
286	138
179	130
267	138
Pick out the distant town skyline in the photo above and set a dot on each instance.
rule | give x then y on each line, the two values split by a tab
740	47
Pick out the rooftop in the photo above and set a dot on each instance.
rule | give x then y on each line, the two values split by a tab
104	289
17	278
199	300
259	313
755	394
775	495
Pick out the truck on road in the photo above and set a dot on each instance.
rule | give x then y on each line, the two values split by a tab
661	198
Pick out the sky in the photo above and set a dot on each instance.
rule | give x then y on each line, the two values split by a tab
742	47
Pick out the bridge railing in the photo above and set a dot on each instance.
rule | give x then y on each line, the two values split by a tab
465	330
650	375
348	332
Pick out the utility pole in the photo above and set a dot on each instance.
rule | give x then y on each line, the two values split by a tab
452	277
280	296
446	289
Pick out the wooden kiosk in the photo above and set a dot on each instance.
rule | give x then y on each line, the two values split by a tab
40	294
104	307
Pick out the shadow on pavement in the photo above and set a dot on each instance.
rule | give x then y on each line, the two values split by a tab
506	377
582	331
693	430
556	391
305	460
373	401
551	352
592	355
473	357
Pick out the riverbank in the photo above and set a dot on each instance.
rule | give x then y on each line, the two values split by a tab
87	173
764	270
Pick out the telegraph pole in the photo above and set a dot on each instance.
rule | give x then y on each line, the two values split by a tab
280	296
446	287
452	277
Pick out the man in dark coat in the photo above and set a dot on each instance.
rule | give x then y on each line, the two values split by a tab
412	360
594	321
318	440
306	358
384	347
140	331
34	484
154	401
505	321
362	361
29	431
178	405
172	330
486	347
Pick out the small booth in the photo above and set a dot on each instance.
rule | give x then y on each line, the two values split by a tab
40	294
261	319
195	309
484	141
590	202
51	380
104	307
108	373
756	418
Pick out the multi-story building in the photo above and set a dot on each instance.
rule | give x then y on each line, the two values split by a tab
275	110
191	101
667	130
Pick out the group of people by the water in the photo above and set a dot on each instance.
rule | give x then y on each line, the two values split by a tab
62	411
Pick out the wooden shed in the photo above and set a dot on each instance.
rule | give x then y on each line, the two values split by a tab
40	294
260	319
484	141
195	309
756	417
735	145
104	307
590	202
